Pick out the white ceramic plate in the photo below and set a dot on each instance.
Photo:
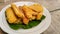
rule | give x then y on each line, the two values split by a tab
35	30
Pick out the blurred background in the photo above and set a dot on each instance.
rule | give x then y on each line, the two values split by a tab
52	5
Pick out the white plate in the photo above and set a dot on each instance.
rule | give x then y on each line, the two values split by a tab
35	30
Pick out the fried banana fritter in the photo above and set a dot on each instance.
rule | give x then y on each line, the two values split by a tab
28	12
17	11
39	15
36	7
10	15
24	19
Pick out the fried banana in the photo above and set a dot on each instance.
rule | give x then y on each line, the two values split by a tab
33	17
17	11
36	7
10	15
38	16
28	12
25	20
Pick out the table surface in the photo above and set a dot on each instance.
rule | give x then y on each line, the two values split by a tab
52	5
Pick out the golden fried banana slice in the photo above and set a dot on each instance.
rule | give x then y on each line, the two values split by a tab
18	21
39	15
36	7
28	12
33	17
25	20
10	15
17	11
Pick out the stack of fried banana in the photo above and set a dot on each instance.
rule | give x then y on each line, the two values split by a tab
24	13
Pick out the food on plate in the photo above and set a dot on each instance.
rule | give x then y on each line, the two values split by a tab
36	7
33	17
39	15
17	11
10	16
31	24
25	20
28	12
24	17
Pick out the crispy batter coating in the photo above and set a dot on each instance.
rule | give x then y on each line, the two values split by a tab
24	19
39	15
28	12
17	11
10	15
36	7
